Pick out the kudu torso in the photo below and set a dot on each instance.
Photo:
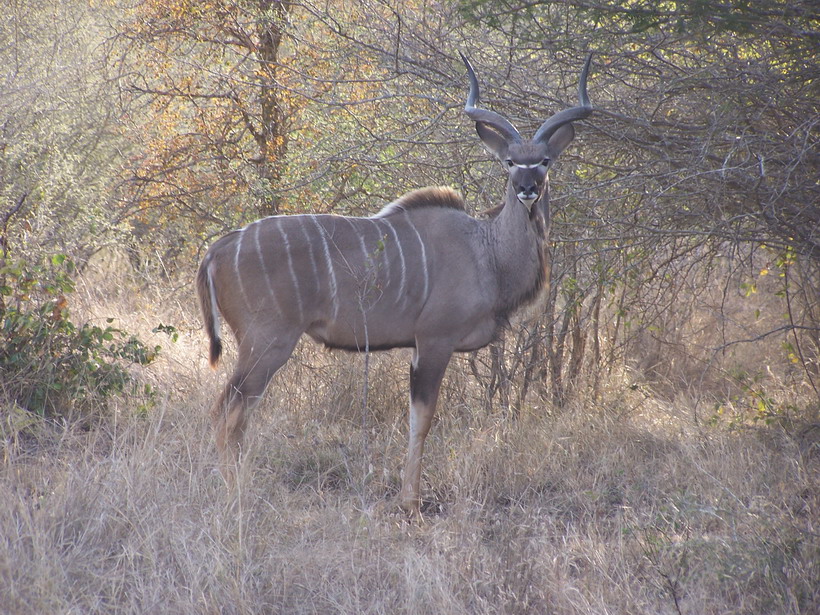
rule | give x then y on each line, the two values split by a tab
421	273
421	267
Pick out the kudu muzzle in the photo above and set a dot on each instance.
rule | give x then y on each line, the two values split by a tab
529	183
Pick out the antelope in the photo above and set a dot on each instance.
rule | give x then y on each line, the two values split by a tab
420	274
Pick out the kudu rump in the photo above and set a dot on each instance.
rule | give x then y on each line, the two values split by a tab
420	274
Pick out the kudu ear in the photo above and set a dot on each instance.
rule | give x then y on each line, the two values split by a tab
559	140
495	131
495	141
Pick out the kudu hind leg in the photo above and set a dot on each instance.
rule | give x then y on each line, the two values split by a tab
245	388
229	418
426	374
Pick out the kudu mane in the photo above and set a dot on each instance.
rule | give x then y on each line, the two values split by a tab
420	273
441	197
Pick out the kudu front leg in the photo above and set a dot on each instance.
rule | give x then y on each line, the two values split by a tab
426	373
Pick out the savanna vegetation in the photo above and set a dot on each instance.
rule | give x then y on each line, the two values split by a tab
644	439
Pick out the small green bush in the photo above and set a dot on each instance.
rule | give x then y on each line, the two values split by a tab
50	365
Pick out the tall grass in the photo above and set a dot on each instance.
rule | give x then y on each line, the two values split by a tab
625	505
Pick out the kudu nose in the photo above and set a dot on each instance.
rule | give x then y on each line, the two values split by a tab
528	194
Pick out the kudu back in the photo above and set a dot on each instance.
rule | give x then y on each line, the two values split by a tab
420	274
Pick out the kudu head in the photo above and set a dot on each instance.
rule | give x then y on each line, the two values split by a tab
527	160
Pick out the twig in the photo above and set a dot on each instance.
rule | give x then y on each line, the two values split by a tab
4	243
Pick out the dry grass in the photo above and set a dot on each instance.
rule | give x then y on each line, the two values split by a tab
617	507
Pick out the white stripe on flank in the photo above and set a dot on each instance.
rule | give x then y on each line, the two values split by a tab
309	244
365	256
265	273
236	267
214	306
383	251
329	263
401	294
423	258
293	277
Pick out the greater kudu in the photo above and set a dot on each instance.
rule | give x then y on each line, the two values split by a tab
420	274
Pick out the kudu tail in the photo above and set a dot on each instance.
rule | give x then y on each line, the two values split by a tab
210	310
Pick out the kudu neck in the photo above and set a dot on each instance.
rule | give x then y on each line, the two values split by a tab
518	248
518	242
526	223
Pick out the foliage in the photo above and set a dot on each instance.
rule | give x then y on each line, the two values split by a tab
171	121
50	365
207	117
59	144
703	148
710	125
241	109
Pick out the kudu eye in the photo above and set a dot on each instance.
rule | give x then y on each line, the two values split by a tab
545	162
509	163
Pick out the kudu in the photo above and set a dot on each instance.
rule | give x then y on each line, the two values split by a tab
420	274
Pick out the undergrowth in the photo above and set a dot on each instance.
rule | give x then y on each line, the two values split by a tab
624	503
51	365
